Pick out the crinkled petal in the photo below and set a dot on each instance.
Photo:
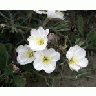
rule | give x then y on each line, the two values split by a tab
21	48
34	32
74	67
40	12
43	32
36	47
81	53
37	65
71	51
21	60
77	51
55	14
83	62
55	55
50	69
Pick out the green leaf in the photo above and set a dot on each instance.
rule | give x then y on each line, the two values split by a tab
3	56
91	39
73	38
8	47
8	70
19	82
80	25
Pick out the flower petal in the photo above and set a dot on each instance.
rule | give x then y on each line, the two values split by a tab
81	53
74	67
37	65
21	60
50	69
83	62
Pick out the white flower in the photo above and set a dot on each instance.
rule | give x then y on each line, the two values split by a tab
55	14
25	54
38	39
46	60
40	12
52	13
76	56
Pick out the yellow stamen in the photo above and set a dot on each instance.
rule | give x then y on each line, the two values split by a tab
40	41
28	54
46	59
74	60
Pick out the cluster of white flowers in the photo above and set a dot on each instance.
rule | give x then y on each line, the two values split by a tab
44	59
52	13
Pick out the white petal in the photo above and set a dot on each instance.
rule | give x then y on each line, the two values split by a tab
21	48
55	14
53	63
74	67
36	47
76	50
69	54
38	55
50	69
46	32
29	60
81	53
83	62
37	65
51	52
55	55
40	12
31	39
21	60
34	32
71	51
43	32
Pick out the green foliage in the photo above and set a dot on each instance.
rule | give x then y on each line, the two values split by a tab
2	77
80	25
8	47
19	82
91	39
26	67
8	70
74	38
3	56
5	50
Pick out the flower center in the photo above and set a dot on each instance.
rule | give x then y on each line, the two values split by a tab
74	60
40	41
46	59
29	54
